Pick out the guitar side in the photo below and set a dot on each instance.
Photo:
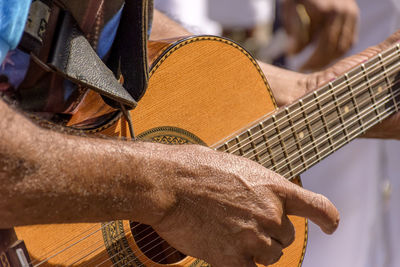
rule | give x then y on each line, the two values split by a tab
201	90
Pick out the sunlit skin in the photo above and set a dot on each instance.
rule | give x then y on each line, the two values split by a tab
333	28
231	211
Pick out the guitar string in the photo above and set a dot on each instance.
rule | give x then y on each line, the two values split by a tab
133	251
151	261
253	153
33	262
69	247
284	160
345	84
101	242
175	251
369	67
163	251
262	133
125	249
296	143
342	87
133	254
323	137
387	113
334	105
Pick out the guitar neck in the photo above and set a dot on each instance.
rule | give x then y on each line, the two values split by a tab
298	136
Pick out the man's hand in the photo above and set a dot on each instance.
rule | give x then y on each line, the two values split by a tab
331	24
231	211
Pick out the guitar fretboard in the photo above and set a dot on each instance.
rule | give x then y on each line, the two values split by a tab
298	136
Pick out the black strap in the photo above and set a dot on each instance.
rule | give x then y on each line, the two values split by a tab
73	57
129	52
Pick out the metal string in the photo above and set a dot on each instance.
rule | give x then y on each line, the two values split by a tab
269	158
341	86
375	64
387	113
299	122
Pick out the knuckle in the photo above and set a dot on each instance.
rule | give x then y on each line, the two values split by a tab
289	236
272	252
318	202
275	219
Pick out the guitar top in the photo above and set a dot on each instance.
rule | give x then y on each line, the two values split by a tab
210	91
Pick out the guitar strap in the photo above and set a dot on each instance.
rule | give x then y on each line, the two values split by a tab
61	37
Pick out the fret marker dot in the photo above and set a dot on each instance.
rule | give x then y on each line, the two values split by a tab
301	135
346	109
380	89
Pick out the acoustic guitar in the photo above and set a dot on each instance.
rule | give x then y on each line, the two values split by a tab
210	91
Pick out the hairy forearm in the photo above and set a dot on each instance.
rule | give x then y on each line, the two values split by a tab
49	177
286	85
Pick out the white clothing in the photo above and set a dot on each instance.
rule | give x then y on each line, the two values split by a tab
209	16
192	14
356	178
241	13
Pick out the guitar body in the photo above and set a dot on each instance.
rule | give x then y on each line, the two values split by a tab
201	90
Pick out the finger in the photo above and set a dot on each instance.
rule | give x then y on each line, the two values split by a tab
301	202
271	253
284	232
327	43
348	35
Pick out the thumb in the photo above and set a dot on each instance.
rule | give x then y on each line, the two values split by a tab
301	202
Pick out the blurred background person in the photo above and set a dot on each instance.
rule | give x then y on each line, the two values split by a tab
362	179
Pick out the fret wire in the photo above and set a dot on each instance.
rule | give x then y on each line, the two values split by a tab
226	147
390	83
308	126
240	145
388	112
372	120
323	119
285	154
275	122
354	99
386	77
371	92
350	122
340	118
322	126
254	149
269	149
294	137
356	91
371	68
350	89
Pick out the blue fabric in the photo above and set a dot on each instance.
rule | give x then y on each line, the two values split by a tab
16	64
108	34
13	14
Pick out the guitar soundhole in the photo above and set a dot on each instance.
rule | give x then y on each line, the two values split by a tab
153	246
